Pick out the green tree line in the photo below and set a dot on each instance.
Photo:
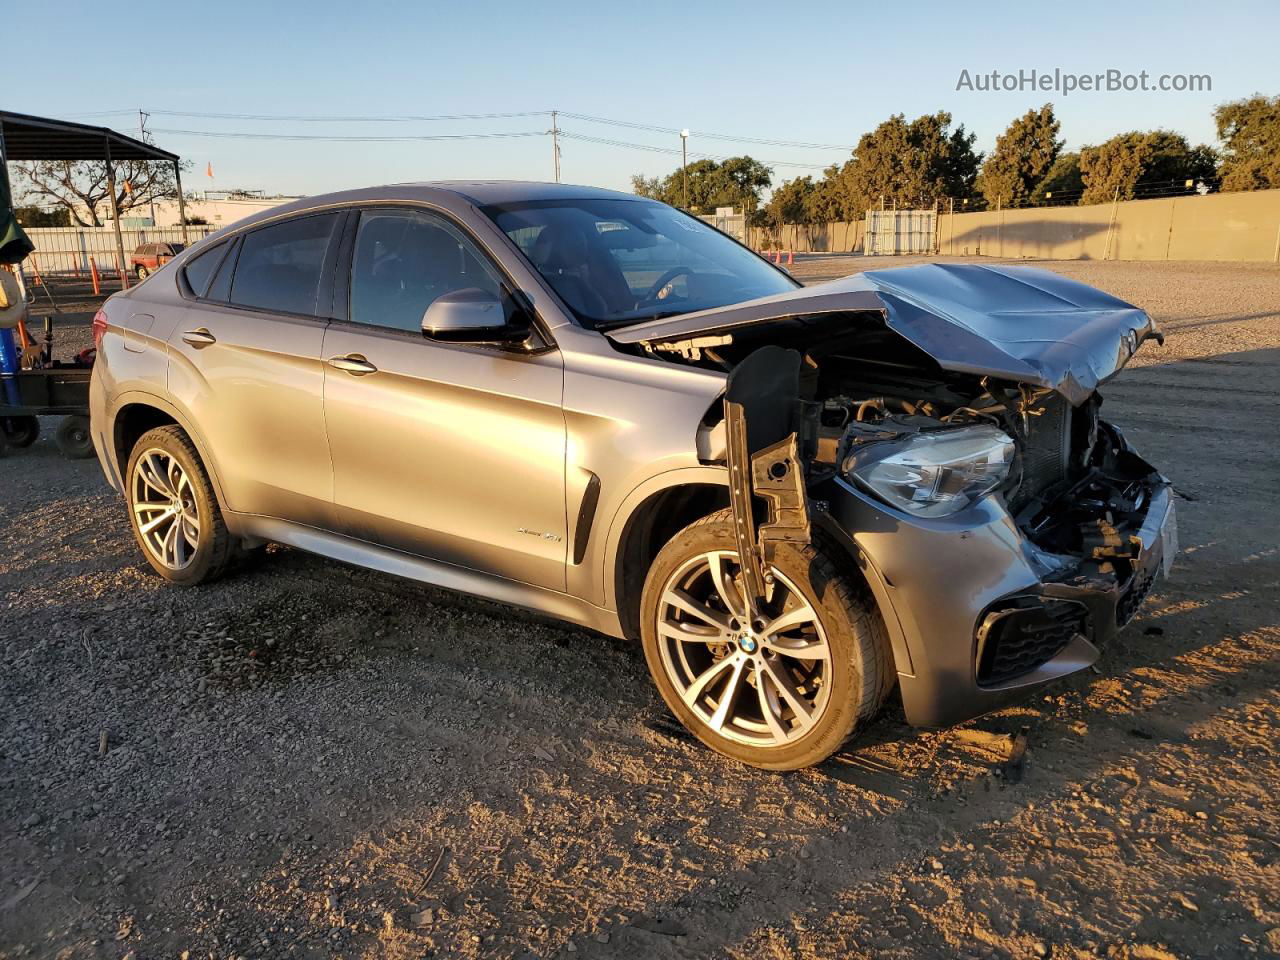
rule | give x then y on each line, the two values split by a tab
927	160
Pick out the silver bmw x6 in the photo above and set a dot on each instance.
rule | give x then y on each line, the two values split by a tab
595	406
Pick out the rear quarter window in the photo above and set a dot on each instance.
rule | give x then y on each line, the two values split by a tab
200	269
279	266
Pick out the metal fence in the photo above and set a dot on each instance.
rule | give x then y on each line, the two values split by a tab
734	224
898	232
64	252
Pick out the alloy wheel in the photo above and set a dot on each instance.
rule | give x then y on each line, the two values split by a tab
764	683
164	509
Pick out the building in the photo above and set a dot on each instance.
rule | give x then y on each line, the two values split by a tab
219	208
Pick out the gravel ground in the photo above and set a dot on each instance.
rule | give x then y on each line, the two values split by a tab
311	760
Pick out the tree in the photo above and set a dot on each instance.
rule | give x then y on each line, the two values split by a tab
1062	180
81	186
907	164
1250	130
791	203
39	217
1136	163
728	183
1024	154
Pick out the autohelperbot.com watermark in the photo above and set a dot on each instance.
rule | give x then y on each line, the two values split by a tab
1066	82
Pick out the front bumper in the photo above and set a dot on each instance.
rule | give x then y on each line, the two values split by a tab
978	615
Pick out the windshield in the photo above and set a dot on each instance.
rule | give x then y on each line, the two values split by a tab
616	262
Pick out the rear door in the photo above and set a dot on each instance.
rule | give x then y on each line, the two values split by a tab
245	362
454	452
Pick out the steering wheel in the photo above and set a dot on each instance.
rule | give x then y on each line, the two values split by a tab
665	279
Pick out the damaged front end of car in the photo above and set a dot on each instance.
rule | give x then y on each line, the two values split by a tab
943	425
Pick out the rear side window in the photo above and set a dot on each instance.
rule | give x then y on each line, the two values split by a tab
199	270
279	267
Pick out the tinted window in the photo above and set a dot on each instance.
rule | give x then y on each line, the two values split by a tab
615	262
199	270
404	260
279	266
220	289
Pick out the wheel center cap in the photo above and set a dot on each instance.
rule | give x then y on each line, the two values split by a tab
748	643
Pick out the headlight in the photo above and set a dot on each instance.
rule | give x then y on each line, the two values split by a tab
934	474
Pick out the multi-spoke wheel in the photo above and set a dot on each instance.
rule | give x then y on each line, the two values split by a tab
764	682
173	511
783	689
164	507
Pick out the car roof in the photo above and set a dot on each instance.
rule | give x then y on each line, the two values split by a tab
449	194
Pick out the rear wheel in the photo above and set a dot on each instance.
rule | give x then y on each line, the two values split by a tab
73	437
20	431
173	511
142	272
782	692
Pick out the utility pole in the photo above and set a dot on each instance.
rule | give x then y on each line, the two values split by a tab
142	135
555	144
684	164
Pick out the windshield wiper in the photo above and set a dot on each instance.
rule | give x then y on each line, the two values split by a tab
631	321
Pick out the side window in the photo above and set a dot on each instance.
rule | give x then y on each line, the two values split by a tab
280	266
200	269
404	260
220	289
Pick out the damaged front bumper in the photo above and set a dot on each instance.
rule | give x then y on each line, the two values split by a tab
978	614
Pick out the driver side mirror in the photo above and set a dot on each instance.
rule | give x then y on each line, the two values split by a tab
472	315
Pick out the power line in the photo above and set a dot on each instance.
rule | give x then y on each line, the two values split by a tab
300	118
410	118
586	138
803	144
242	135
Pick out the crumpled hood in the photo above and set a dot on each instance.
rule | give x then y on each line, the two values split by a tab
1016	323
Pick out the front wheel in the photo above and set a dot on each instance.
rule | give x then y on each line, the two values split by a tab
142	272
173	510
781	692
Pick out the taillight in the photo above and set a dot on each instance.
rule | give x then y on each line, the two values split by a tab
99	327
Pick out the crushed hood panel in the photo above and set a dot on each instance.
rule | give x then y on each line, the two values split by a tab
1016	323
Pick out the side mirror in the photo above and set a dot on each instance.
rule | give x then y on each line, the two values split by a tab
472	315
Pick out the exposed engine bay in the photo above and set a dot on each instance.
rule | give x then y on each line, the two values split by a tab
1066	476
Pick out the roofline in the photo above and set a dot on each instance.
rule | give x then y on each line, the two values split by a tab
108	135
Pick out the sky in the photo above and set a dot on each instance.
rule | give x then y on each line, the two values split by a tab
819	73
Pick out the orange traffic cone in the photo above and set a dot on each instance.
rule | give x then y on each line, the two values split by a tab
791	258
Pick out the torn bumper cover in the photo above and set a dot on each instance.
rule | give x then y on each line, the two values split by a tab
978	614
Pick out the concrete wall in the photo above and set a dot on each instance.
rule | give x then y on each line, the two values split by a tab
1222	226
818	238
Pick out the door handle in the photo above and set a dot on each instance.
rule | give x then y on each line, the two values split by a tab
199	338
353	364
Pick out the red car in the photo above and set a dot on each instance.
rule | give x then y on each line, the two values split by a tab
150	257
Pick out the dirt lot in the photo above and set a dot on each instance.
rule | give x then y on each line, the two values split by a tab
310	760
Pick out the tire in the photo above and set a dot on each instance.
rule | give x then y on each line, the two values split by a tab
840	687
73	437
198	516
142	272
20	431
4	446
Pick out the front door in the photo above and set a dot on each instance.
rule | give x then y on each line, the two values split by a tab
454	452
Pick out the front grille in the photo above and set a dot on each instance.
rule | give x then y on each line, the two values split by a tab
1045	451
1141	585
1016	639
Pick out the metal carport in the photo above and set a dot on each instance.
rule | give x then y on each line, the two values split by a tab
24	137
